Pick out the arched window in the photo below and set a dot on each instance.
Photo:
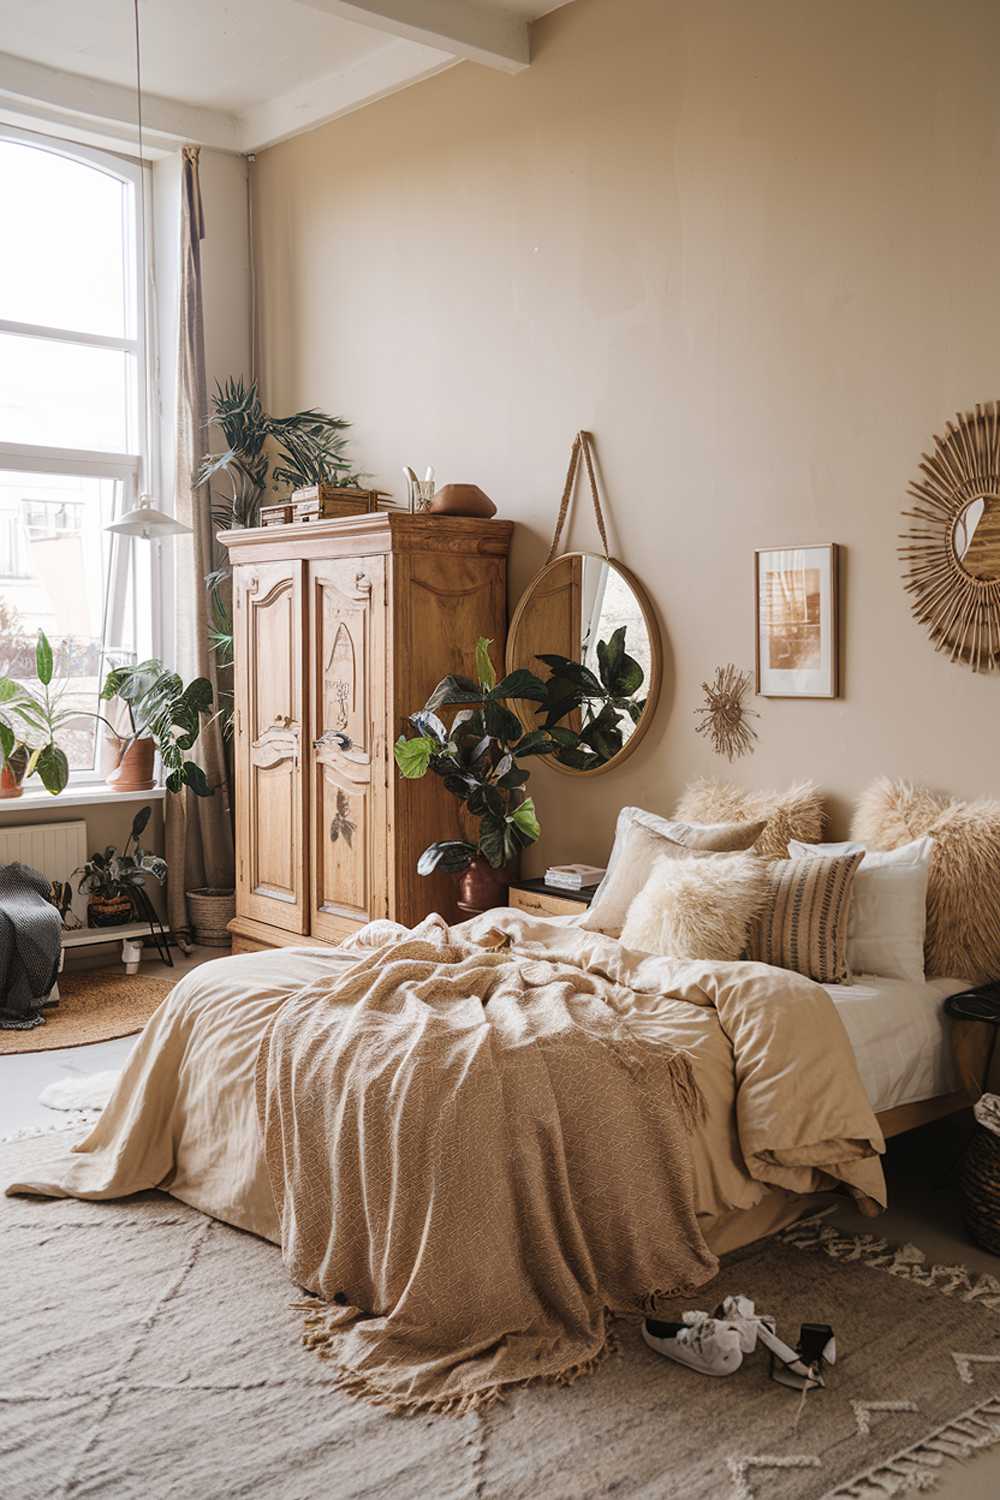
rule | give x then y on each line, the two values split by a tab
72	417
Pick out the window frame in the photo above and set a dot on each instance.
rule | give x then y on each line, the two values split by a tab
135	469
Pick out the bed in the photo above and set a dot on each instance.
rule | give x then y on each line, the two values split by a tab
904	1048
185	1116
729	1104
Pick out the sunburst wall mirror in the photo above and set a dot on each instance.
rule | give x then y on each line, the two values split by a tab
951	551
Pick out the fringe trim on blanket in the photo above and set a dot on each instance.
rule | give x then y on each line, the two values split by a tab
673	1070
322	1324
918	1467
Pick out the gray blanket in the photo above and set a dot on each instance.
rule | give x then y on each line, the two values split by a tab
30	935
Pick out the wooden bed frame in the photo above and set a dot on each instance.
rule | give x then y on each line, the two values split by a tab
923	1112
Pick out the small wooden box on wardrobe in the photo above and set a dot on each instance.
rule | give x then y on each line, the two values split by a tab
342	629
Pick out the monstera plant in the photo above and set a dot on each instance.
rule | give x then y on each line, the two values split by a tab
478	757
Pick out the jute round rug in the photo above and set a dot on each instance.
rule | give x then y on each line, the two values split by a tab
93	1007
150	1351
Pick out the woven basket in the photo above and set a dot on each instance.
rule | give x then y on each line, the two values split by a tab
211	912
981	1189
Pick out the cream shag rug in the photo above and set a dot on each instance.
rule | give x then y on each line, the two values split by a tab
149	1351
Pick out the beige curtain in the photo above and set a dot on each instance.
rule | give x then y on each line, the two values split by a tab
199	830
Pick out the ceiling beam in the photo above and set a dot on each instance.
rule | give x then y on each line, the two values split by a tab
391	67
48	99
465	29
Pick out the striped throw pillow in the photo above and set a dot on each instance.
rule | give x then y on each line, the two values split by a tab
803	926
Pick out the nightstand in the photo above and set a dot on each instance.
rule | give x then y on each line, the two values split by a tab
549	900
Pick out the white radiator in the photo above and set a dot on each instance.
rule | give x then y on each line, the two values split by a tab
56	849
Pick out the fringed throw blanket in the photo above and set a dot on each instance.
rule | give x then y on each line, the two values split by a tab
474	1169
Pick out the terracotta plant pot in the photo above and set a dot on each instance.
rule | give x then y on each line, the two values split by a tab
10	783
462	500
133	771
12	773
480	887
108	911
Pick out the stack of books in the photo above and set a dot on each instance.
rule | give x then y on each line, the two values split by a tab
573	877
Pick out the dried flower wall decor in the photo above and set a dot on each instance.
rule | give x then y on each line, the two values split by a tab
724	719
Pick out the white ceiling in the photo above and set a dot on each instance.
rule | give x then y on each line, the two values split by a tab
223	54
238	74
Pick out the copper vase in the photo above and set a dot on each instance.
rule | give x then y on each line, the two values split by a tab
480	887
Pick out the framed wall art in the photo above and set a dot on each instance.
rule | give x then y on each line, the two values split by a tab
796	612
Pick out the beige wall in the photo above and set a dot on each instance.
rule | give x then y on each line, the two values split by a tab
754	249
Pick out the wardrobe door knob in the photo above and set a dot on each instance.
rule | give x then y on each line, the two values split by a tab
333	737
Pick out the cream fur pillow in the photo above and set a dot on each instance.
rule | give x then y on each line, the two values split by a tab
697	908
794	814
963	891
640	838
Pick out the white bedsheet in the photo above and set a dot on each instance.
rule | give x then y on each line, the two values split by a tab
899	1035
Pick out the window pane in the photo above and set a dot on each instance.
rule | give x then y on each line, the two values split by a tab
54	557
63	258
66	395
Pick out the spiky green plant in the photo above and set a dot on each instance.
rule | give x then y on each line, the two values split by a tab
308	447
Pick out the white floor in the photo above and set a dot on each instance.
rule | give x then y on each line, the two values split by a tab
23	1075
920	1168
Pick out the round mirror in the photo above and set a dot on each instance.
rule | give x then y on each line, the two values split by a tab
585	627
975	536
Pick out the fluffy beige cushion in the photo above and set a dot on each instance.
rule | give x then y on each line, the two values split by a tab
697	907
794	814
963	892
640	838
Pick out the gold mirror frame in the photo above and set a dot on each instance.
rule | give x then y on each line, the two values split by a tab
655	659
960	608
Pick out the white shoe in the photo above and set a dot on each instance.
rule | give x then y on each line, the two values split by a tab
740	1313
702	1343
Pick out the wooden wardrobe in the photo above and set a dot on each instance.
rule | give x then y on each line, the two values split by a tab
342	629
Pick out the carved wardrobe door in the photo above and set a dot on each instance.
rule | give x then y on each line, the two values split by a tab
270	736
349	836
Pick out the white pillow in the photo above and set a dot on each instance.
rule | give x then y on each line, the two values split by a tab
697	908
640	837
888	917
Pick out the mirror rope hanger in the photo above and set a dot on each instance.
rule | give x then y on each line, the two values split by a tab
583	444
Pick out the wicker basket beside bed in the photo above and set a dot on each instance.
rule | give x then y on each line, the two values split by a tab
981	1189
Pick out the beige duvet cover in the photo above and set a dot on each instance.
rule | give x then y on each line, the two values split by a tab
785	1108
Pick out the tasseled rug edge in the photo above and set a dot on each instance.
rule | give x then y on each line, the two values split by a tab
320	1331
921	1465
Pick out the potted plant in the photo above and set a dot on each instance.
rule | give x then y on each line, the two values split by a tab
41	715
13	762
163	715
307	447
115	883
478	758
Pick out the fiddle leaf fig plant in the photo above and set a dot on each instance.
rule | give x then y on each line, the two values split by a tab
478	758
604	701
